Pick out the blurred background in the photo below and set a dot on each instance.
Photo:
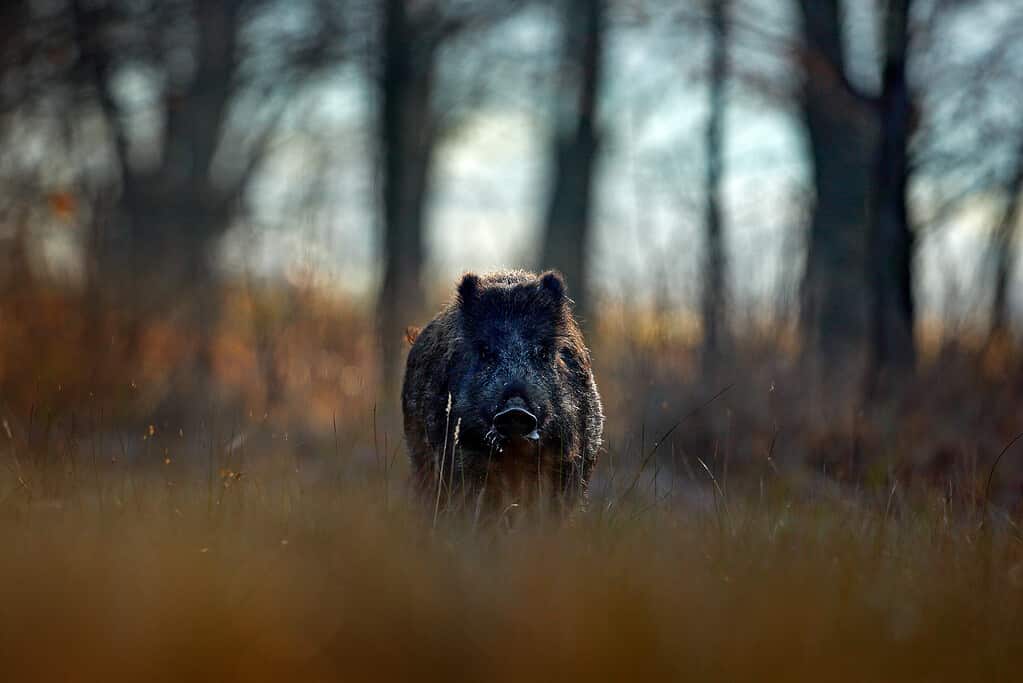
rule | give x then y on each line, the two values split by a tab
789	226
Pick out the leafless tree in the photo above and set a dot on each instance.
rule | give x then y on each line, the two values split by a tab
410	124
203	60
892	346
407	139
715	297
575	146
841	132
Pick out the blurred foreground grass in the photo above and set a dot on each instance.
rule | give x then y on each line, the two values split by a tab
121	573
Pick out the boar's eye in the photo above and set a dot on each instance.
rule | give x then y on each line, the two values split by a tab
543	353
484	353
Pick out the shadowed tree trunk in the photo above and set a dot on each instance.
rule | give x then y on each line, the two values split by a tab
575	147
841	132
407	138
174	213
715	295
158	252
413	116
891	241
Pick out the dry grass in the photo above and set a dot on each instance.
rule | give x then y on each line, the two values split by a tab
273	539
113	571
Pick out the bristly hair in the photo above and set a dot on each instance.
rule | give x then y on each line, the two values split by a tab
532	291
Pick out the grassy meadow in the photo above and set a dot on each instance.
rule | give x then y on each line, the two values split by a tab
276	539
276	575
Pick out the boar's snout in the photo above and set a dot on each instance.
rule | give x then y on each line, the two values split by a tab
515	421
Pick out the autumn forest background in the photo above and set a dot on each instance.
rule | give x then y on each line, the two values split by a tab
791	232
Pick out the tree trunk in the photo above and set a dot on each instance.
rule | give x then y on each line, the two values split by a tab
407	136
891	245
567	232
841	133
715	296
171	216
156	257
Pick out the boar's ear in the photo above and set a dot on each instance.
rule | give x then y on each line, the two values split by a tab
468	290
553	283
411	334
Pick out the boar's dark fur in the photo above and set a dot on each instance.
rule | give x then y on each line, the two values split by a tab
506	336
